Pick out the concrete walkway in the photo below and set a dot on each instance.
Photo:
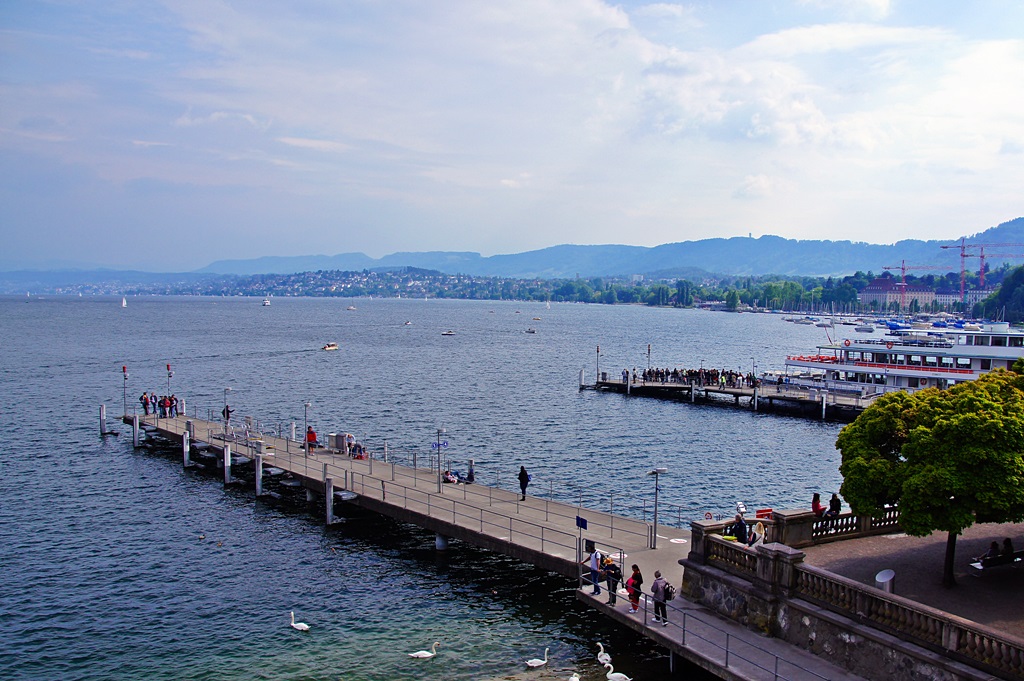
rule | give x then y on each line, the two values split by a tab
992	598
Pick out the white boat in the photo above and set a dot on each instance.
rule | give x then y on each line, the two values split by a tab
124	302
351	308
266	302
531	330
864	328
331	346
910	359
447	333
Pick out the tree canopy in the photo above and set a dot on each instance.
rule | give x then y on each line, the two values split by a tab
946	458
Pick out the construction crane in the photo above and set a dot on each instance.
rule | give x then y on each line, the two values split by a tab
982	256
903	277
963	246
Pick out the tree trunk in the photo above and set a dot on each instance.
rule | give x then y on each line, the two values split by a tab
948	580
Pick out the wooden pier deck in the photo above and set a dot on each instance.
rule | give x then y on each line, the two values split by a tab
805	399
539	531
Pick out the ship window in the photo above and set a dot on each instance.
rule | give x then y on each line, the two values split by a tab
986	364
914	360
999	341
981	340
963	363
1016	342
931	361
947	362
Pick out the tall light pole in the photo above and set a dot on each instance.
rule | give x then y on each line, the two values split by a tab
597	371
169	375
440	431
305	425
124	370
656	472
648	357
225	412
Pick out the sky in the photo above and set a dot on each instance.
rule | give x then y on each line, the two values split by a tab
165	135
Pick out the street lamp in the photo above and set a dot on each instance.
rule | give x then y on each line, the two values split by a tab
226	413
440	431
656	472
124	370
169	375
305	425
597	372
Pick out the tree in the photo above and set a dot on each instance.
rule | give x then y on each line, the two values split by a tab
947	458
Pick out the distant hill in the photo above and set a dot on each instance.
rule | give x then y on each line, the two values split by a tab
737	256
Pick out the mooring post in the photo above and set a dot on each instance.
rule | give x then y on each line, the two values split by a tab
103	419
227	463
755	394
186	444
293	431
581	379
440	542
823	396
135	430
386	452
259	476
693	390
329	490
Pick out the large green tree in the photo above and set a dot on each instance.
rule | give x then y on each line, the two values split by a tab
946	458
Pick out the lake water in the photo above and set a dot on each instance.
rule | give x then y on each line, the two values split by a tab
118	564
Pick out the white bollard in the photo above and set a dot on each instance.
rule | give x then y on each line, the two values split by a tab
293	430
103	419
135	430
259	475
329	489
823	396
227	463
186	444
755	398
581	379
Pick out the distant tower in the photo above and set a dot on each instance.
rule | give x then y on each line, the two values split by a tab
750	235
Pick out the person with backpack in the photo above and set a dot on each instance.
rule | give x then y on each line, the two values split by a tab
658	588
613	575
145	402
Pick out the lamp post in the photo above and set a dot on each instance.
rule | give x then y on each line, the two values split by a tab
656	472
648	357
169	375
124	370
597	371
305	425
440	431
225	413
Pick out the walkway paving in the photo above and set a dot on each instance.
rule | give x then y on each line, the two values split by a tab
993	598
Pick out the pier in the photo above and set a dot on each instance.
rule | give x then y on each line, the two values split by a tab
543	532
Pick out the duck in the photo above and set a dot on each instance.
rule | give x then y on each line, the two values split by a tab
301	626
613	675
538	663
424	654
602	656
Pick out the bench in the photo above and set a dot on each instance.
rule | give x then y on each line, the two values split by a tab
999	561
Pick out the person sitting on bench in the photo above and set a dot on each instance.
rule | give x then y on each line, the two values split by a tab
1007	548
993	552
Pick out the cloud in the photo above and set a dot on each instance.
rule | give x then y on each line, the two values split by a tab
755	187
315	144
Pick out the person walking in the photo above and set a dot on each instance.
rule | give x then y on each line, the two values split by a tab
613	575
658	591
310	438
145	402
633	585
226	413
524	480
152	402
594	560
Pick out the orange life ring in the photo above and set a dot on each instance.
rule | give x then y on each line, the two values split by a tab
889	345
846	342
924	381
707	516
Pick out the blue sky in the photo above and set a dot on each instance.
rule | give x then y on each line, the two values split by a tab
165	135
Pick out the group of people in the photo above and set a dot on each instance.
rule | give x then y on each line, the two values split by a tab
166	405
701	377
605	567
995	552
835	506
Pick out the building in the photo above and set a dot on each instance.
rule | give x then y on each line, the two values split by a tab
884	293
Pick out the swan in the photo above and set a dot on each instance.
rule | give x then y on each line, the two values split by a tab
613	675
574	677
602	656
424	654
538	663
301	626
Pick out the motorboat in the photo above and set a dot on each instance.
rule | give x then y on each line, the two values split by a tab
447	333
531	330
266	302
864	328
331	346
351	308
408	324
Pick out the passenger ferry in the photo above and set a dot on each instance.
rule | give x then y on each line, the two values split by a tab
909	358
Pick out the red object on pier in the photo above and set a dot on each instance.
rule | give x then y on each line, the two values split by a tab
763	513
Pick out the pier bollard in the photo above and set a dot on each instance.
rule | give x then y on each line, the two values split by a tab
581	379
103	419
386	452
259	476
755	398
293	430
823	396
227	463
135	430
329	490
186	444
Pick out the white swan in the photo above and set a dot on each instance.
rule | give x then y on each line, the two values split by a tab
301	626
424	654
602	656
574	677
538	663
613	675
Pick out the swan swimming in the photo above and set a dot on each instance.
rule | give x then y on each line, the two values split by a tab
301	626
613	675
538	663
424	654
602	656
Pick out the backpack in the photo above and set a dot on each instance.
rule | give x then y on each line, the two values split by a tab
670	592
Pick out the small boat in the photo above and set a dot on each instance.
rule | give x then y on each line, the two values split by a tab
351	308
408	324
531	330
266	302
124	302
536	319
331	346
864	328
447	333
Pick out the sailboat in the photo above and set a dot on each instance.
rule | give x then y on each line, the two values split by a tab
124	302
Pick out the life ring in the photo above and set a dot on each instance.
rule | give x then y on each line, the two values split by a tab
924	381
708	516
889	345
846	342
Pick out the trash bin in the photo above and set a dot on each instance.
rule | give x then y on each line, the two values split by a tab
886	581
604	376
332	440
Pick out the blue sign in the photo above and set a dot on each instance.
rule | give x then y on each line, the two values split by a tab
443	444
581	522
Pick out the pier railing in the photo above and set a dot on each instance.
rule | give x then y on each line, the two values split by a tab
779	570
